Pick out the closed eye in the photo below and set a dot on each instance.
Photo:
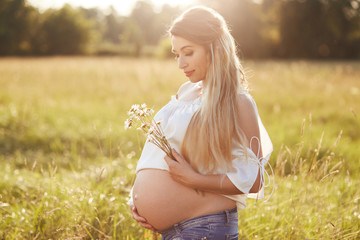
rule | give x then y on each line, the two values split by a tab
187	55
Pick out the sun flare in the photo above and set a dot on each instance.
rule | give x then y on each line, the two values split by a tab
173	2
123	7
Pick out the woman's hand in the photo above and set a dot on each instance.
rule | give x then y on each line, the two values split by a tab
180	170
141	220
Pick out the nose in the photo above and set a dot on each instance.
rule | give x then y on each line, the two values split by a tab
182	64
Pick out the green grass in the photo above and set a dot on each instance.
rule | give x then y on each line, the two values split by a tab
67	164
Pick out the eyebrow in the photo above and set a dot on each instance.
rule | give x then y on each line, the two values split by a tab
173	50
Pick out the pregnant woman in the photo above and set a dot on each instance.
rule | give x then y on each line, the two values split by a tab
219	143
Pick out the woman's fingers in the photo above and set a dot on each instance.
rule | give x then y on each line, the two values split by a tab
177	156
170	162
146	225
136	216
141	220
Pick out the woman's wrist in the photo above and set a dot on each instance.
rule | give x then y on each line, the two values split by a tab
205	182
195	180
217	183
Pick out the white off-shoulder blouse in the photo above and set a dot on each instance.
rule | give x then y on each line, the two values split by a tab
175	117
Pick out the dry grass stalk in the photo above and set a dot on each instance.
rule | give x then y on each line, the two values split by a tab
140	116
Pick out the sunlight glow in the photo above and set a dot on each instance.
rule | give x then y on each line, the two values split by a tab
123	7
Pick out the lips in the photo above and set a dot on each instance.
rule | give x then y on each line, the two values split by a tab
189	73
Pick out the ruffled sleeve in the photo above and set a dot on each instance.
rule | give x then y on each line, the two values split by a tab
247	166
246	169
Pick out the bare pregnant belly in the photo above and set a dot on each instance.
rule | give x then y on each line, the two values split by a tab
164	202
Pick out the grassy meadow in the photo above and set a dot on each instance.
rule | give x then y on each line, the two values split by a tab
67	164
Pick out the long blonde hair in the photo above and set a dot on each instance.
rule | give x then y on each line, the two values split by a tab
213	130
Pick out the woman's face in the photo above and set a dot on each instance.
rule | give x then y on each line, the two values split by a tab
192	58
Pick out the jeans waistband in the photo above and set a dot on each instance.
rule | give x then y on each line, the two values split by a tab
222	216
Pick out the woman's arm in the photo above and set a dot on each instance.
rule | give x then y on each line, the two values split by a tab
222	184
182	171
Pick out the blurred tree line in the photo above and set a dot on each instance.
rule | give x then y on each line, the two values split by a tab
262	29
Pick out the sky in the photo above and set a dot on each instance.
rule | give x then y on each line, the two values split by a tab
123	7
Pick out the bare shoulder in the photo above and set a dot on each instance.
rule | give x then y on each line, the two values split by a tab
245	99
247	106
248	118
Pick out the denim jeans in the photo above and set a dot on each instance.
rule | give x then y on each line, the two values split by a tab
216	226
